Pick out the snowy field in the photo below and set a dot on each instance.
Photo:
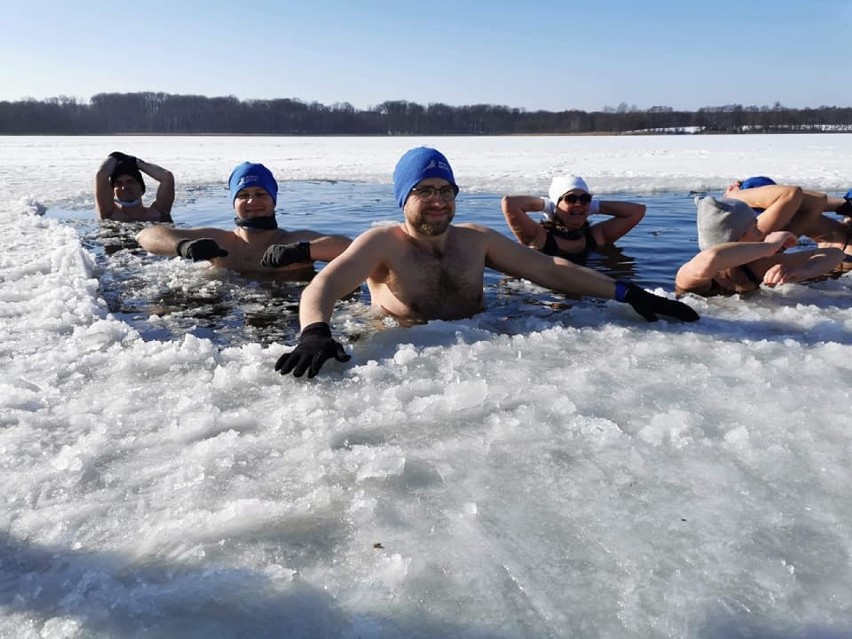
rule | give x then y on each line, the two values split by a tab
573	474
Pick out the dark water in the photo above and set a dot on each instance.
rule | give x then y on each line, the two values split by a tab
650	254
165	298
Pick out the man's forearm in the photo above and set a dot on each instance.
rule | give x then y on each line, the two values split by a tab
159	240
316	303
155	171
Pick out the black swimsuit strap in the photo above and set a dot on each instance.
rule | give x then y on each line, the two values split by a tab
550	247
754	279
557	229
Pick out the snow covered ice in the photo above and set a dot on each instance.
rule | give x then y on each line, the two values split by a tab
578	474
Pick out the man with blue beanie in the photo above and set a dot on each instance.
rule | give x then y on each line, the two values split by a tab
119	188
249	174
416	165
427	268
256	244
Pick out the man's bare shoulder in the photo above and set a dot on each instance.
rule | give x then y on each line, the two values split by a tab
689	279
476	228
297	235
207	231
381	241
483	235
471	232
383	232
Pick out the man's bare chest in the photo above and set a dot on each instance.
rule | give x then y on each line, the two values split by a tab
438	285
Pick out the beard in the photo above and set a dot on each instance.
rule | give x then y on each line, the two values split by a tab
431	229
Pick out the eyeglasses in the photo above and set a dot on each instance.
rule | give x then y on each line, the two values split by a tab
249	195
425	193
585	198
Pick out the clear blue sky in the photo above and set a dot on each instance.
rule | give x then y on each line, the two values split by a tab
547	54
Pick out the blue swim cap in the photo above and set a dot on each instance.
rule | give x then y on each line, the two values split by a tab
754	182
419	164
247	175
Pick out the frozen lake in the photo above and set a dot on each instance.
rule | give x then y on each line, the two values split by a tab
548	468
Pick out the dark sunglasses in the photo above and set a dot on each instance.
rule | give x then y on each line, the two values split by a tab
585	198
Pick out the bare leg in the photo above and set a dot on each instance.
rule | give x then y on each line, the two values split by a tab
782	208
792	209
809	214
827	231
833	204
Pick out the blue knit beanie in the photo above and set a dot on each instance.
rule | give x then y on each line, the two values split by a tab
419	164
754	182
247	175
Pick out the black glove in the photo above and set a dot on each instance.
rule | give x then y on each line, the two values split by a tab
122	157
315	346
284	254
203	249
648	305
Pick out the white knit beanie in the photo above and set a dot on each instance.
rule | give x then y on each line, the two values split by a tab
561	185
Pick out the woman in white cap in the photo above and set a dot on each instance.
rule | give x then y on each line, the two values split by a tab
565	230
737	257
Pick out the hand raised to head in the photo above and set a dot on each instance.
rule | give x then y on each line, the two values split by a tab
122	157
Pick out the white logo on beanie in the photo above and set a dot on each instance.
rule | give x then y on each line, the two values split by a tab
437	164
248	178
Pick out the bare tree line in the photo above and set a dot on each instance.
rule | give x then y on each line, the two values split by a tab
164	113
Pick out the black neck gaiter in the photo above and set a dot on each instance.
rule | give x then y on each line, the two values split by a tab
266	223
